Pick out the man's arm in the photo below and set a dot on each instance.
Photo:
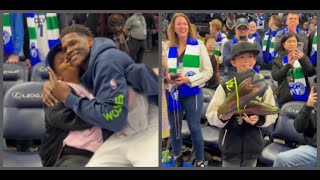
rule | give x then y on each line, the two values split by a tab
301	122
277	40
109	109
227	53
259	56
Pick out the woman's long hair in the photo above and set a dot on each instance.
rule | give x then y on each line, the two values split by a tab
172	36
282	50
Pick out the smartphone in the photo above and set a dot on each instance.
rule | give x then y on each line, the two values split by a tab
174	77
300	46
315	88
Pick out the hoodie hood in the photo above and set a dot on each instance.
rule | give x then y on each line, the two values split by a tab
99	46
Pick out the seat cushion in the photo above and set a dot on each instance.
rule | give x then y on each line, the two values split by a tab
270	152
21	159
210	136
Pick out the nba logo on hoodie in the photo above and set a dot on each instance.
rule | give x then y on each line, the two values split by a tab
113	84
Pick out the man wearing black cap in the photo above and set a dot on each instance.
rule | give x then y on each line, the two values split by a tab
241	141
242	32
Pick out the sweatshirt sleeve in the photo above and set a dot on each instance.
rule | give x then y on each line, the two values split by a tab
206	70
227	53
301	122
65	119
259	56
212	110
109	109
277	73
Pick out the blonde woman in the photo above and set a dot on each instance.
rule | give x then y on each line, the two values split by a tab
189	68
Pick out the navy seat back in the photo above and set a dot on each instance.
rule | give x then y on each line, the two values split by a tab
39	72
13	74
285	124
23	114
207	96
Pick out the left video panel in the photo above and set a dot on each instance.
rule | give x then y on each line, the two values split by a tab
80	90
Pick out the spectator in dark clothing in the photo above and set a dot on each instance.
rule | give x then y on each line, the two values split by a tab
306	123
214	81
291	69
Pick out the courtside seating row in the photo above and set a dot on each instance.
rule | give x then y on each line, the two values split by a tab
23	119
282	130
17	73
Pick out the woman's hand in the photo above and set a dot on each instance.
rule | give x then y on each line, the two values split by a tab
291	58
182	80
297	54
168	78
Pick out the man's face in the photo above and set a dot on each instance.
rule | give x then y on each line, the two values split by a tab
244	62
242	31
76	48
292	20
252	27
64	70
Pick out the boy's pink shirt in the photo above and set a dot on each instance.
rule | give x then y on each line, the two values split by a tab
89	139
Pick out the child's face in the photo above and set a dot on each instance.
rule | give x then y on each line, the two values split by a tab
244	62
64	70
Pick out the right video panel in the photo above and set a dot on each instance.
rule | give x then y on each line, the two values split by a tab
239	90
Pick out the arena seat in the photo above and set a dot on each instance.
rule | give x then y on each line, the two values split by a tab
23	119
13	74
285	130
39	72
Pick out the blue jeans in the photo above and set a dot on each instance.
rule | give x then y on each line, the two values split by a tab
192	106
303	156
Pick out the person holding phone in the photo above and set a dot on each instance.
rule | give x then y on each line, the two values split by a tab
291	69
242	33
188	58
306	123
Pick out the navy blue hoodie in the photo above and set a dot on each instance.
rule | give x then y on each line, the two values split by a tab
109	73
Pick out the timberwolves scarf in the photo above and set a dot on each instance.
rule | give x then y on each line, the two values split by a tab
52	33
235	41
285	30
313	55
298	85
217	52
7	35
252	37
190	67
272	52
